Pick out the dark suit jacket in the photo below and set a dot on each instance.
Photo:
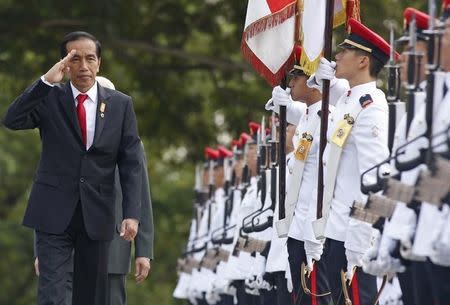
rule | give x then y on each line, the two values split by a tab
67	173
120	249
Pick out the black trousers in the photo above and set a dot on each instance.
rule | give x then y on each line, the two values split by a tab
405	279
115	294
421	281
439	279
268	297
243	297
363	289
90	265
226	299
283	294
318	281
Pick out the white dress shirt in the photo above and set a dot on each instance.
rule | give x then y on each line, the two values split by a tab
90	105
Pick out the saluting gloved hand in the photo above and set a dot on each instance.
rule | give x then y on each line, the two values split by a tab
354	259
326	70
313	251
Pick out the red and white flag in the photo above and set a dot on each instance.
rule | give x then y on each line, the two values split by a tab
269	37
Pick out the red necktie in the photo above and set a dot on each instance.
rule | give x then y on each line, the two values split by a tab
81	113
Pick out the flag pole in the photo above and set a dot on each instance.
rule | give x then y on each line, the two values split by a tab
282	163
328	36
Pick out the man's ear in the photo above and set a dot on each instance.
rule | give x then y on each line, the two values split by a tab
99	62
364	62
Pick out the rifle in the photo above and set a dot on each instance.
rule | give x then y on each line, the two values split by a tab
412	86
262	152
426	156
414	62
393	89
251	226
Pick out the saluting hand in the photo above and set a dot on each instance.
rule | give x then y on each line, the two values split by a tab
142	269
129	229
56	73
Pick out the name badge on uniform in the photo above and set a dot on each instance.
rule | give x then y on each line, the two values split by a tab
304	146
344	127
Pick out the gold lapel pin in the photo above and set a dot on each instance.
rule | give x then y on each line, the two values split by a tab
102	109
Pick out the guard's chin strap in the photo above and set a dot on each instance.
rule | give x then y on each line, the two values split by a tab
303	273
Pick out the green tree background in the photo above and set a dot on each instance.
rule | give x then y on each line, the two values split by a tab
180	61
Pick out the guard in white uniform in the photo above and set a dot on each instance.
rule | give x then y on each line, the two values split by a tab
303	247
240	262
222	284
201	278
357	134
221	287
440	258
277	259
412	291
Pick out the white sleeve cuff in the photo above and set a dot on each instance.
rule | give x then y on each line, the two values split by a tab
46	82
311	83
270	106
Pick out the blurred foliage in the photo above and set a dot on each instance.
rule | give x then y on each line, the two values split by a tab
180	61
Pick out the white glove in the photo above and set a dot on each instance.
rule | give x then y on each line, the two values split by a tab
354	259
313	251
369	258
387	245
281	97
326	70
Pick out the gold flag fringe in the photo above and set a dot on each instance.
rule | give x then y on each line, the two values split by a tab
350	9
340	17
309	66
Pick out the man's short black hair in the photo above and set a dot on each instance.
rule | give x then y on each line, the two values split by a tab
77	36
375	65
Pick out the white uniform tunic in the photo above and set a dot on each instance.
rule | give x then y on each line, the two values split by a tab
221	283
365	147
277	259
305	209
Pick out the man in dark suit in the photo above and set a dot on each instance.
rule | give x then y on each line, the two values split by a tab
120	250
86	131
